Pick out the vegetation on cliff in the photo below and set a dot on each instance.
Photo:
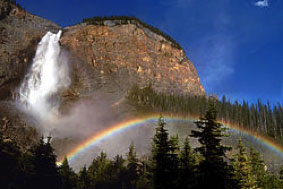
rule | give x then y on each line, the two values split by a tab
168	166
262	118
123	20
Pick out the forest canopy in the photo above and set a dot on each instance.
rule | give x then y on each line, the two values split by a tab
169	164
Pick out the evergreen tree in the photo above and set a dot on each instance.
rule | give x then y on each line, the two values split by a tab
132	167
28	170
119	172
242	168
161	158
187	166
67	175
99	172
83	181
264	119
271	181
257	167
144	178
174	159
46	171
214	172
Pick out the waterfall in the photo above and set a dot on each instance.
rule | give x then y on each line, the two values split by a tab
47	75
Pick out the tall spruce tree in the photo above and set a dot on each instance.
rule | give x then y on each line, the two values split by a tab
214	172
99	172
187	166
119	172
162	158
257	167
46	171
242	168
174	159
132	167
144	178
271	181
83	180
67	176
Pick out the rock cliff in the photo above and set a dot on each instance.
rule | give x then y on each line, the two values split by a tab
106	59
123	55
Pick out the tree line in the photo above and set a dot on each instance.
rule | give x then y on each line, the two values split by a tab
265	119
169	164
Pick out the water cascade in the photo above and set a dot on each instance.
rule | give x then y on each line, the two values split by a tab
47	75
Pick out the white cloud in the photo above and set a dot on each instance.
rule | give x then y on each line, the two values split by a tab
261	4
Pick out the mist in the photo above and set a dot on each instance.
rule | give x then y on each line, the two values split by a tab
48	75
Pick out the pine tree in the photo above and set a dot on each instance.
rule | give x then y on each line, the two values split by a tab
271	181
99	171
242	168
144	178
132	167
257	167
67	175
187	166
214	172
162	158
46	171
119	172
83	181
174	159
28	170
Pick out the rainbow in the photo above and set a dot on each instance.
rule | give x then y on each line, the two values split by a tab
136	122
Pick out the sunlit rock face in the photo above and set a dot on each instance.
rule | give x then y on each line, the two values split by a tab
104	62
124	55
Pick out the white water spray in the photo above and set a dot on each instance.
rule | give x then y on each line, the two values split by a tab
48	74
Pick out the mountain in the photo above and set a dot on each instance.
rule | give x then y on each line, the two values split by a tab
106	56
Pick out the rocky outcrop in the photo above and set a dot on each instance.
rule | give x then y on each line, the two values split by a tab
16	126
123	55
20	33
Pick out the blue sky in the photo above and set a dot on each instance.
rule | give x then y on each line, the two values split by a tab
235	45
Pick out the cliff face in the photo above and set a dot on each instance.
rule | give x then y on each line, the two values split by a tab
20	33
123	55
105	60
